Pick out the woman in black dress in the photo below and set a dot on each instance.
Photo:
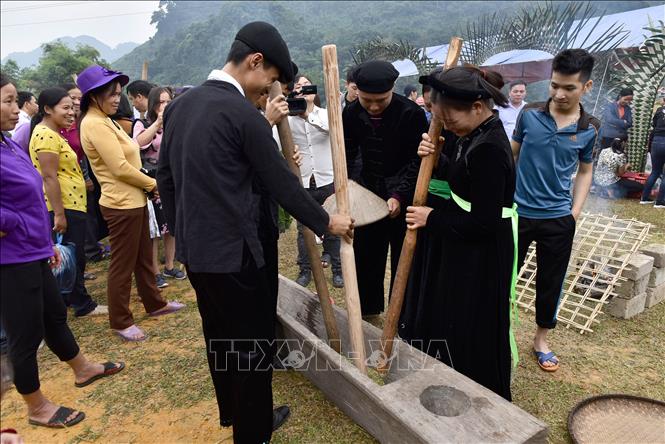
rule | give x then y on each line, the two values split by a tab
458	301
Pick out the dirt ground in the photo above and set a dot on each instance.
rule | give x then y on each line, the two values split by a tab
165	394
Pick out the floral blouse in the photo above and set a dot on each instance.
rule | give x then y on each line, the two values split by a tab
608	165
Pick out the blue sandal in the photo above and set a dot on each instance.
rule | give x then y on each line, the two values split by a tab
547	357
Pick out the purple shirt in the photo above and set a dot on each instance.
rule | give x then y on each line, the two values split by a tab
22	136
23	215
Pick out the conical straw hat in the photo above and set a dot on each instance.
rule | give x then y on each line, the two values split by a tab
366	207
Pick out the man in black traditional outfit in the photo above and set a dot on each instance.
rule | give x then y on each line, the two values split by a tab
382	131
215	144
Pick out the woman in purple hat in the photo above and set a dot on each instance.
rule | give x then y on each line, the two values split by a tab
116	163
32	308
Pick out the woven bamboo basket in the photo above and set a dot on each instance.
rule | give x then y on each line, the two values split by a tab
617	419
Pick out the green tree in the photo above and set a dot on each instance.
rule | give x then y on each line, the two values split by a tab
12	70
59	63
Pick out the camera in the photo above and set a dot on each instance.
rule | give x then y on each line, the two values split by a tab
307	90
298	105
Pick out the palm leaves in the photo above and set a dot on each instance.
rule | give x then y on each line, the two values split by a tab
379	48
544	27
644	72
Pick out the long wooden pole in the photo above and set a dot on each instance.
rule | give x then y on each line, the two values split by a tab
286	140
409	245
331	80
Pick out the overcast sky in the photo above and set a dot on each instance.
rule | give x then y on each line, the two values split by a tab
26	25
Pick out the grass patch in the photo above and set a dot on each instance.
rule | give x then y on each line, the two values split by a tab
186	373
87	435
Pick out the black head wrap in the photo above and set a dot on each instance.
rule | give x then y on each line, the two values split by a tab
470	94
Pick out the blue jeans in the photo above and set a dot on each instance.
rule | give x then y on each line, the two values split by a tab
331	243
657	170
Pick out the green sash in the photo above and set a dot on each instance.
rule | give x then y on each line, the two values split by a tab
442	189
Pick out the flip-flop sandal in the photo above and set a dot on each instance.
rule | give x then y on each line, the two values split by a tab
129	333
171	307
59	419
547	357
110	368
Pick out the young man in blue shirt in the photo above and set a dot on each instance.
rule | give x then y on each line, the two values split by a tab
549	142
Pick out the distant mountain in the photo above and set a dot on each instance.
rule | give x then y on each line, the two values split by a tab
29	58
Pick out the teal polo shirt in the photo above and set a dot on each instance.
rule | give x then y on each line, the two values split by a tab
548	158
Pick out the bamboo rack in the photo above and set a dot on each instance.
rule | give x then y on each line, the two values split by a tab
601	249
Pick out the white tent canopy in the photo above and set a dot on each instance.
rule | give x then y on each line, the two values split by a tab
633	23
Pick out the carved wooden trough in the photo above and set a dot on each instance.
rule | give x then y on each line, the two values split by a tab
422	400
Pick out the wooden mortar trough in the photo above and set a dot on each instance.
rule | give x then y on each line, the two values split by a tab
421	400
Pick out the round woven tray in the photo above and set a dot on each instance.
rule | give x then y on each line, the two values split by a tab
617	419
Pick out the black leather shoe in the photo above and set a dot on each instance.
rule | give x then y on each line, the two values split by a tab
279	416
338	280
304	278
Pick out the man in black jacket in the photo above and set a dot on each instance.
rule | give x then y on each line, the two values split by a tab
382	131
215	144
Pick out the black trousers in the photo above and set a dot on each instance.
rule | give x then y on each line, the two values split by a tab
92	227
554	243
238	317
271	256
79	298
96	225
370	245
32	310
